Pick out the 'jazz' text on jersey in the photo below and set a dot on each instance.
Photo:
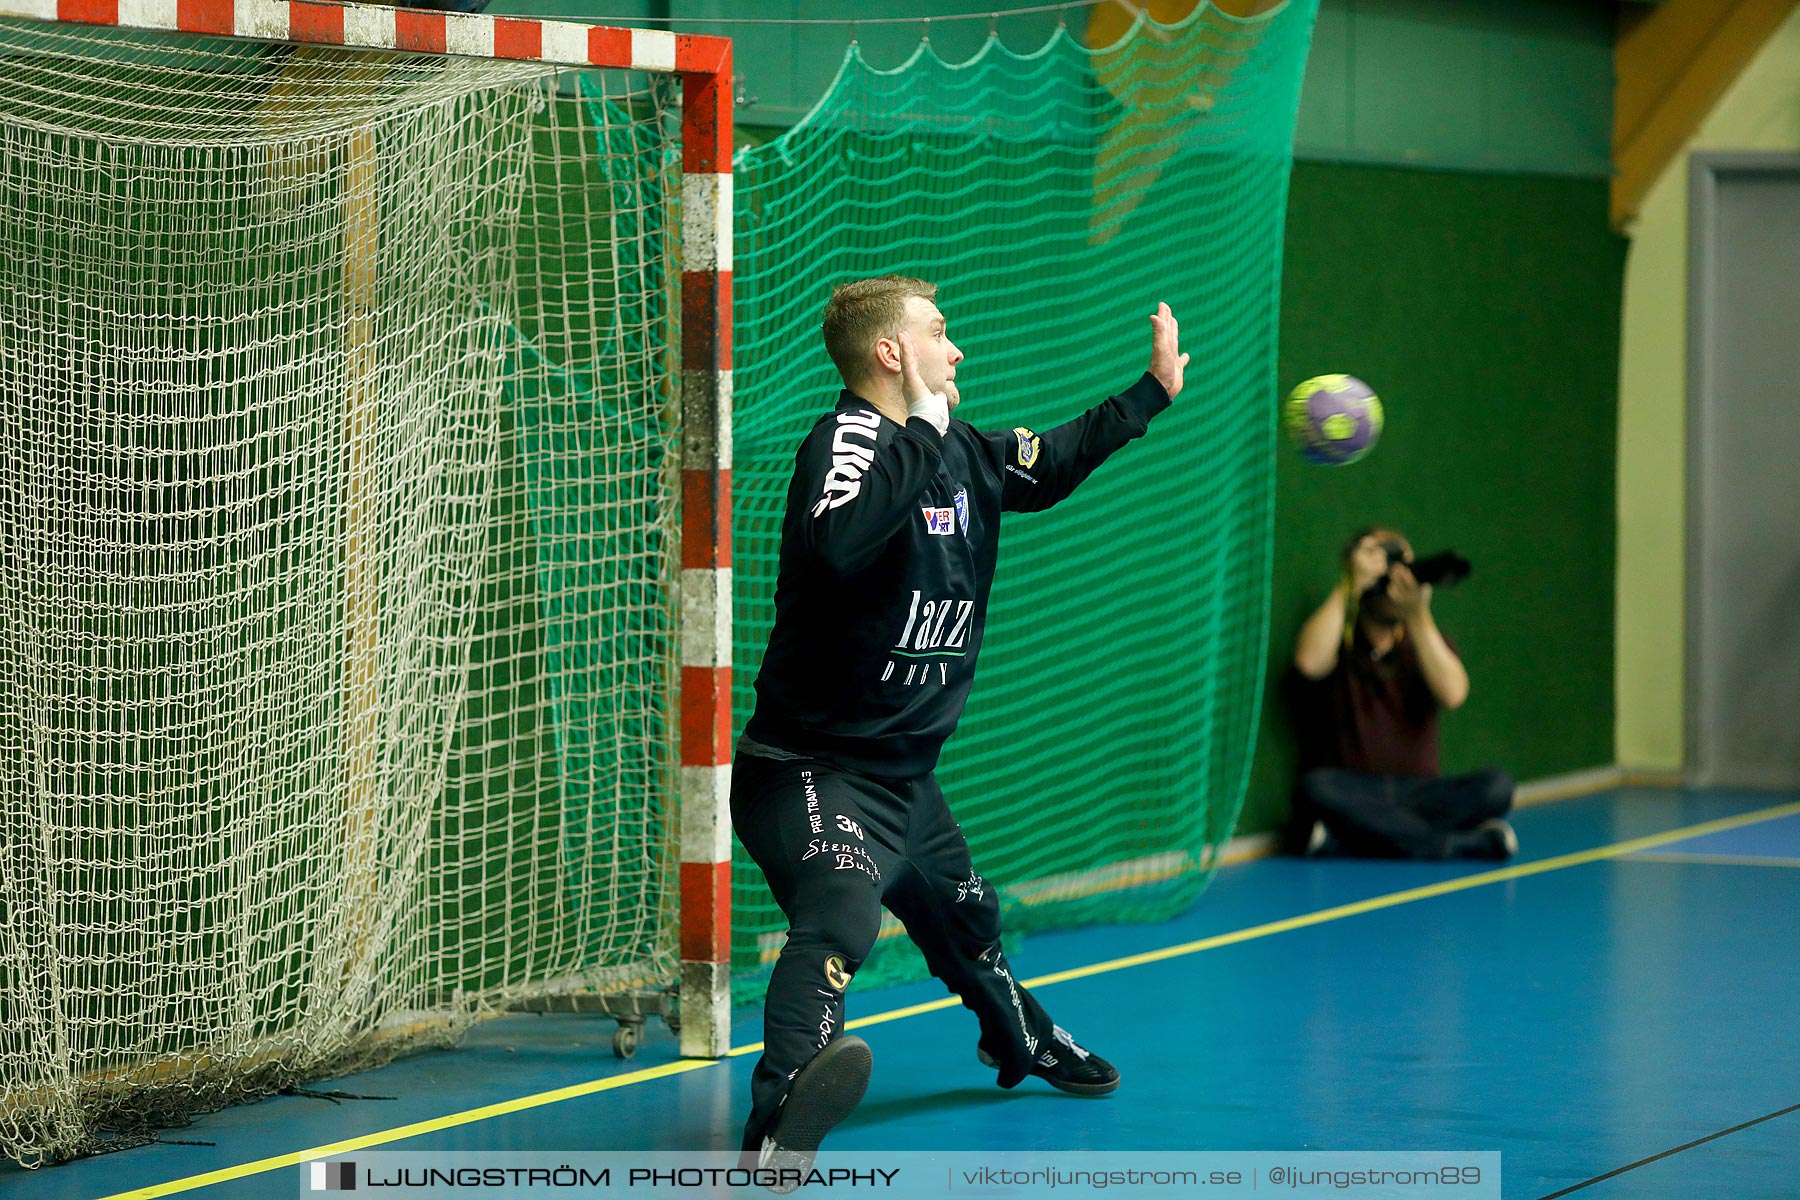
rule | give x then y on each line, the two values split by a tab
935	624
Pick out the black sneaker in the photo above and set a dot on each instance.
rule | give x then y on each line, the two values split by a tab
824	1092
1067	1066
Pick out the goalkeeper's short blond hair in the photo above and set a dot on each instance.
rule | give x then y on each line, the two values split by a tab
862	311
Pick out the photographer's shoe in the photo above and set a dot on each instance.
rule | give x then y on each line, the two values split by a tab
1492	838
825	1091
1066	1066
1319	841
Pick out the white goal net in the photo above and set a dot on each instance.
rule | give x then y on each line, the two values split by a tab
339	484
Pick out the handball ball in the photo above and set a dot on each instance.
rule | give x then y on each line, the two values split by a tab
1333	419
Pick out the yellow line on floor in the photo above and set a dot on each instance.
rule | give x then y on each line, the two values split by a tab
1374	904
467	1117
1447	887
1721	860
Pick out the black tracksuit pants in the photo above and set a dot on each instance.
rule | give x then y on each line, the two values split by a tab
835	847
1394	816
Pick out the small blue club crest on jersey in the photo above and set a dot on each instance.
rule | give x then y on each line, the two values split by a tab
962	509
940	521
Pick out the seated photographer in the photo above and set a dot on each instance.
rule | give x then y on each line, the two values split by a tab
1371	672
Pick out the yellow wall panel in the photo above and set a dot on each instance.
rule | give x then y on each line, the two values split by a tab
1760	111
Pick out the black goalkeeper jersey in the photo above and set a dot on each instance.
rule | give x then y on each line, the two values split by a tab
887	556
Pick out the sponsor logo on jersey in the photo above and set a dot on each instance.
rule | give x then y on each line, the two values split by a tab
935	624
962	509
1029	444
940	521
936	631
837	973
849	459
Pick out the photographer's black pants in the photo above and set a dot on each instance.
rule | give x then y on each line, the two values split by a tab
835	847
1395	816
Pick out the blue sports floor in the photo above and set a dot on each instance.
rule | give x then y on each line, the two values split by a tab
1615	1012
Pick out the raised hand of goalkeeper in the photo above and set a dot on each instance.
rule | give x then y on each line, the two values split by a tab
1166	359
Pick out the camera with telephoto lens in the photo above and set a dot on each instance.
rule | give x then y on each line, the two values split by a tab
1443	569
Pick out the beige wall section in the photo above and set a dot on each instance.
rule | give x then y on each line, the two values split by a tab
1761	111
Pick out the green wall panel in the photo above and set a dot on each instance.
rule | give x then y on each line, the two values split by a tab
1325	96
1419	86
1484	309
1519	85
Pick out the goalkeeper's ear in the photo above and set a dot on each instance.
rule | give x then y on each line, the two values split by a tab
890	354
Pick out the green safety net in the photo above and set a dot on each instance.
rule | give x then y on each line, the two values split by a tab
1054	197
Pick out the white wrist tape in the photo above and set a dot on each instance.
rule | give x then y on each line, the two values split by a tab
934	408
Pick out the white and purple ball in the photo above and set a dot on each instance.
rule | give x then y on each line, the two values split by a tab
1333	419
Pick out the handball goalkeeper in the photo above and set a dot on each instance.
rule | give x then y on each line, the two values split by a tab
888	549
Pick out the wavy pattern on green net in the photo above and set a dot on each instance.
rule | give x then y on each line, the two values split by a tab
1055	197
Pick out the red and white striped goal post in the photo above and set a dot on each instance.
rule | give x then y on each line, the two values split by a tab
704	64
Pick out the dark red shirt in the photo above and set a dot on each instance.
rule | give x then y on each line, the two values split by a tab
1371	713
